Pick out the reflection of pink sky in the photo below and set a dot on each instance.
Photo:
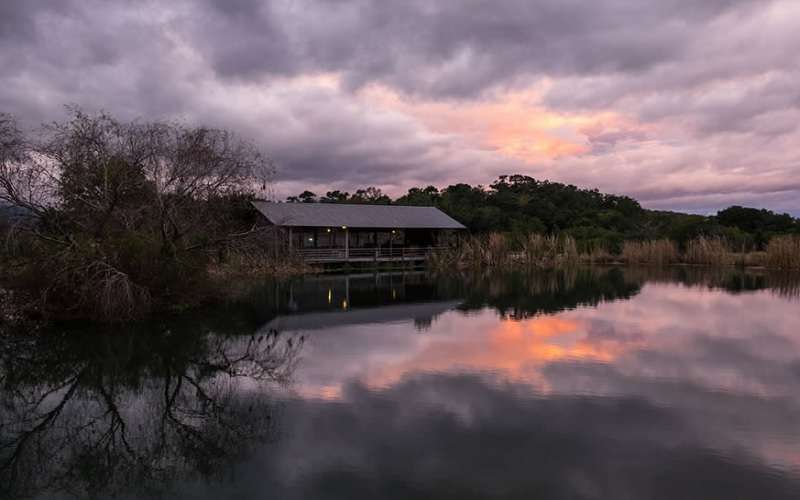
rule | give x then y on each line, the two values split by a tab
513	350
661	318
665	321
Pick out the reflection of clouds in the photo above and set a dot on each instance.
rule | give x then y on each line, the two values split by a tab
727	362
721	341
724	363
514	350
459	436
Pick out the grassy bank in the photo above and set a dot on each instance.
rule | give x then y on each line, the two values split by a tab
547	251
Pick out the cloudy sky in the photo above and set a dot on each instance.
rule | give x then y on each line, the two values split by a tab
684	104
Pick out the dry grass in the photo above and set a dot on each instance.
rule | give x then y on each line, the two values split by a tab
471	252
750	259
783	252
250	264
550	251
708	251
656	252
599	256
496	249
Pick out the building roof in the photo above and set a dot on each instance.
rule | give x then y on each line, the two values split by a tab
355	216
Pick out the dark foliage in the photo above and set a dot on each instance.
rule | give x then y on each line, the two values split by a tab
124	216
521	205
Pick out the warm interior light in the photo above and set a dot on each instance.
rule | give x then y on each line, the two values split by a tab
329	230
344	227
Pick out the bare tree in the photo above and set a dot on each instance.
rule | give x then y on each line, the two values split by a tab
125	209
196	166
25	182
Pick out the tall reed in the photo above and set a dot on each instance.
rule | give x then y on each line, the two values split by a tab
472	251
708	251
549	250
657	252
783	252
497	249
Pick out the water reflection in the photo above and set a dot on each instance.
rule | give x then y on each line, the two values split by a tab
582	383
99	413
460	436
576	384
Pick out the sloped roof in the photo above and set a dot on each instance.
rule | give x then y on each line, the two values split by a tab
355	216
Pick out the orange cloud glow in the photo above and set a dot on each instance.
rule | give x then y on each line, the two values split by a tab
514	124
514	350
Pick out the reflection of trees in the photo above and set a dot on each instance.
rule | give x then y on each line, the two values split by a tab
525	294
730	279
91	415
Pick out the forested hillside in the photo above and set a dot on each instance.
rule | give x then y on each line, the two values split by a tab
519	204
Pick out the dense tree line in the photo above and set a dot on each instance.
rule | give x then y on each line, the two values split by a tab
521	205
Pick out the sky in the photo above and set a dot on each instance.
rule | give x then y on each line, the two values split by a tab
683	104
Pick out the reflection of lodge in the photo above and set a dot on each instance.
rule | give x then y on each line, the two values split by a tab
332	232
335	300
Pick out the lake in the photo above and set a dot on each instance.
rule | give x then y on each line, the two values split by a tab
589	383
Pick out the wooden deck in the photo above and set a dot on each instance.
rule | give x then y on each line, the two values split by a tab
342	255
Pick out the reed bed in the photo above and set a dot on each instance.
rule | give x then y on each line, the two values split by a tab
783	252
549	251
657	252
544	251
599	256
708	251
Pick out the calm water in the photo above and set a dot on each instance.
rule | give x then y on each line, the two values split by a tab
583	384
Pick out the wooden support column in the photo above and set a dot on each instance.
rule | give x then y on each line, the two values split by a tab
346	304
346	244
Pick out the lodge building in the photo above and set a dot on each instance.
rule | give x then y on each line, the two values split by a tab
337	232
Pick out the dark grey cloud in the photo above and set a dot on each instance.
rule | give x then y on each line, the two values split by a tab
707	86
448	49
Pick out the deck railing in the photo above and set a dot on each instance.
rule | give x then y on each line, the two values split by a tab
320	255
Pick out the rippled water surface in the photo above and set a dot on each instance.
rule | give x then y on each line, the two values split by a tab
579	384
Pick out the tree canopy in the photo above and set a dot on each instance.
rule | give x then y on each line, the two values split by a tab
521	204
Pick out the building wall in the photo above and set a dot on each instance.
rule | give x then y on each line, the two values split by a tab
360	238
